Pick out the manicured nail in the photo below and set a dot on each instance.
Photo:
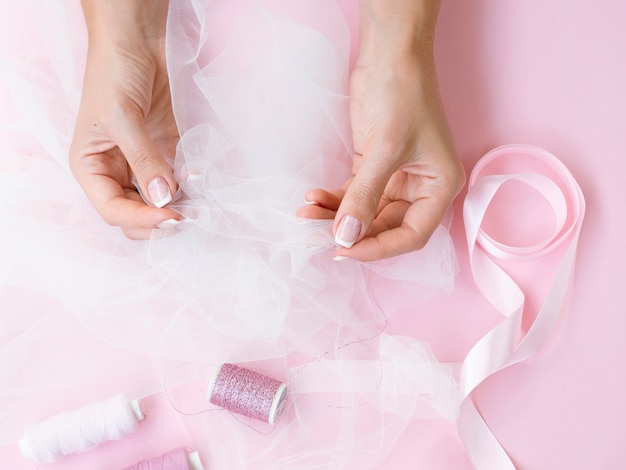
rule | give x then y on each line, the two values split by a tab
348	231
169	223
311	203
159	192
192	175
339	257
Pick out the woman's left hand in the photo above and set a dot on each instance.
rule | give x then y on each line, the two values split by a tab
405	169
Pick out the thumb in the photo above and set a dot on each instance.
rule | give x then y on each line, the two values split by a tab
153	173
359	205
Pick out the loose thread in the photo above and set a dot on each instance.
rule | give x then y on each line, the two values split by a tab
171	400
247	393
265	417
349	344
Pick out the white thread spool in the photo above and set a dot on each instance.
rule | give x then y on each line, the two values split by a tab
81	430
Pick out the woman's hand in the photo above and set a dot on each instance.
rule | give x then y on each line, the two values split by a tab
406	172
125	131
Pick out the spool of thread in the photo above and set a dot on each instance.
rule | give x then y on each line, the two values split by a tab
177	459
247	393
80	430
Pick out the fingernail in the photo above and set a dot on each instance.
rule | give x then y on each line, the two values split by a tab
339	257
310	203
348	231
159	192
191	174
187	221
169	223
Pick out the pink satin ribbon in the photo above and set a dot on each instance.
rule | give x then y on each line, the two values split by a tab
507	344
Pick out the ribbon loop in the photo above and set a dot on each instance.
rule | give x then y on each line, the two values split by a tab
506	343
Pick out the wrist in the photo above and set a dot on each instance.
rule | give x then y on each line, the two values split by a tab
398	30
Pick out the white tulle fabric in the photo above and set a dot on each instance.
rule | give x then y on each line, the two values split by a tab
260	96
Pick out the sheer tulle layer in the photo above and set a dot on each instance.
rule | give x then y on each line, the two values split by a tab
259	93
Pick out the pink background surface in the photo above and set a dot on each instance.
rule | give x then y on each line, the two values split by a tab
552	74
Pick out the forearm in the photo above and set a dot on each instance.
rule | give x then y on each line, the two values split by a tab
397	29
125	33
120	21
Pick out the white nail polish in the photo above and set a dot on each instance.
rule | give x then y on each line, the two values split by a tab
311	203
348	231
159	191
169	223
339	257
192	176
190	220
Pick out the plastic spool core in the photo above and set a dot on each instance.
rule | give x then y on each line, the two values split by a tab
194	461
277	404
211	386
137	411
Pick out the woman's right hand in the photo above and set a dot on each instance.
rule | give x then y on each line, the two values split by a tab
125	131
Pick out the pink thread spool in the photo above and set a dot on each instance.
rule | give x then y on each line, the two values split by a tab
177	459
247	393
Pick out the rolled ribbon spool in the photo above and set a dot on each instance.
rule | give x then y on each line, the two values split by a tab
247	393
177	459
81	430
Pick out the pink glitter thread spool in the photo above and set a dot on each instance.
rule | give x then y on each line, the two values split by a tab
247	393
